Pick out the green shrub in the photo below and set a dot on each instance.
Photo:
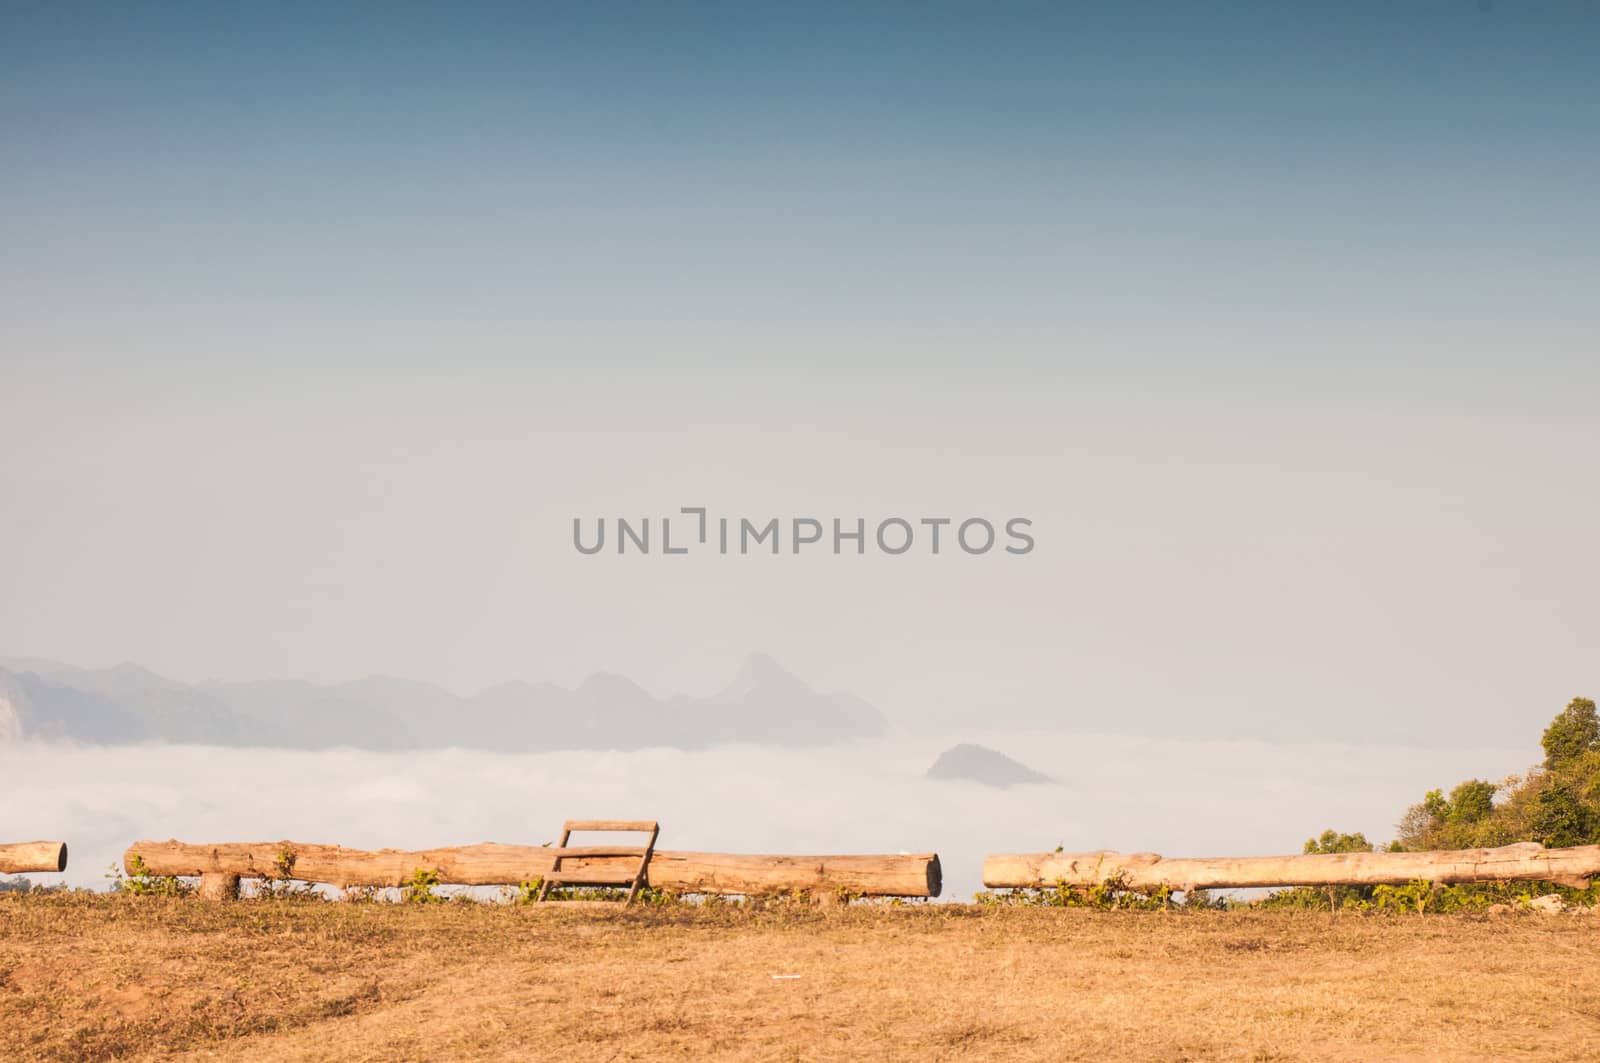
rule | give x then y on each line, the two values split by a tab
418	889
528	893
1574	732
141	883
1331	841
1111	893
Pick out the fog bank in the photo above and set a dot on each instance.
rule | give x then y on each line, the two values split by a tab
1173	797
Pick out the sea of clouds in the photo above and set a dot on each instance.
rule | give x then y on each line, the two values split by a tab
1179	798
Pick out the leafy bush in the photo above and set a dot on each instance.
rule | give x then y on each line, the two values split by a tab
418	889
1573	733
141	883
1331	841
282	885
1113	893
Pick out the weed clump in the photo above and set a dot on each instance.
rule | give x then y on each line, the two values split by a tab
1111	894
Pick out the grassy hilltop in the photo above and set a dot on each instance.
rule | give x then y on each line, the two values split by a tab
127	977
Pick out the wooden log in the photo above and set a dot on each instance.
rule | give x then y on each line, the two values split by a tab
491	864
21	857
1526	861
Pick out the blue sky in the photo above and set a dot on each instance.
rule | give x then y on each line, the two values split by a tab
320	322
883	172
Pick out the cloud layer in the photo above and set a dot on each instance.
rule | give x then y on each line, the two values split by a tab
1177	798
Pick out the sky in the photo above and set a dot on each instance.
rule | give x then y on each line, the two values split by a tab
319	326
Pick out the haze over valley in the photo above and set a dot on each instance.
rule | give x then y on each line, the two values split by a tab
763	705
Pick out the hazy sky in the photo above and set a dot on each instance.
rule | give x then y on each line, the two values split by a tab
320	323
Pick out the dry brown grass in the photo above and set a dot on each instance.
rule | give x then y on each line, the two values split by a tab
134	978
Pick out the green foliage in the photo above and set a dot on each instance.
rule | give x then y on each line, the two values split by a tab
1111	893
1556	804
1464	820
277	889
1417	898
650	896
1572	734
282	884
141	883
1311	898
1331	841
1199	900
1561	817
1420	897
418	889
1472	801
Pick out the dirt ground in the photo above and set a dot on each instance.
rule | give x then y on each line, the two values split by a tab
104	977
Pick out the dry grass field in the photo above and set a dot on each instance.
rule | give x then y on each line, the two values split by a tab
106	977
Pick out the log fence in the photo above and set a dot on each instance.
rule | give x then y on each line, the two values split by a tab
220	867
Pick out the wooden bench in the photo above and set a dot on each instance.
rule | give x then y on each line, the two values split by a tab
597	876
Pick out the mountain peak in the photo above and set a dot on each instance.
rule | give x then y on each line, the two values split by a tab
761	668
612	685
123	677
764	678
980	764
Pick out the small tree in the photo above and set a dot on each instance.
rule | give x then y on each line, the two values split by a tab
1560	818
1472	801
1571	734
1333	841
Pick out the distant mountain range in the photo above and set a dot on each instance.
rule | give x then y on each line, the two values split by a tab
764	705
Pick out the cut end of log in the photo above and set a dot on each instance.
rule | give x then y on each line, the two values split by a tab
935	876
24	857
218	886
